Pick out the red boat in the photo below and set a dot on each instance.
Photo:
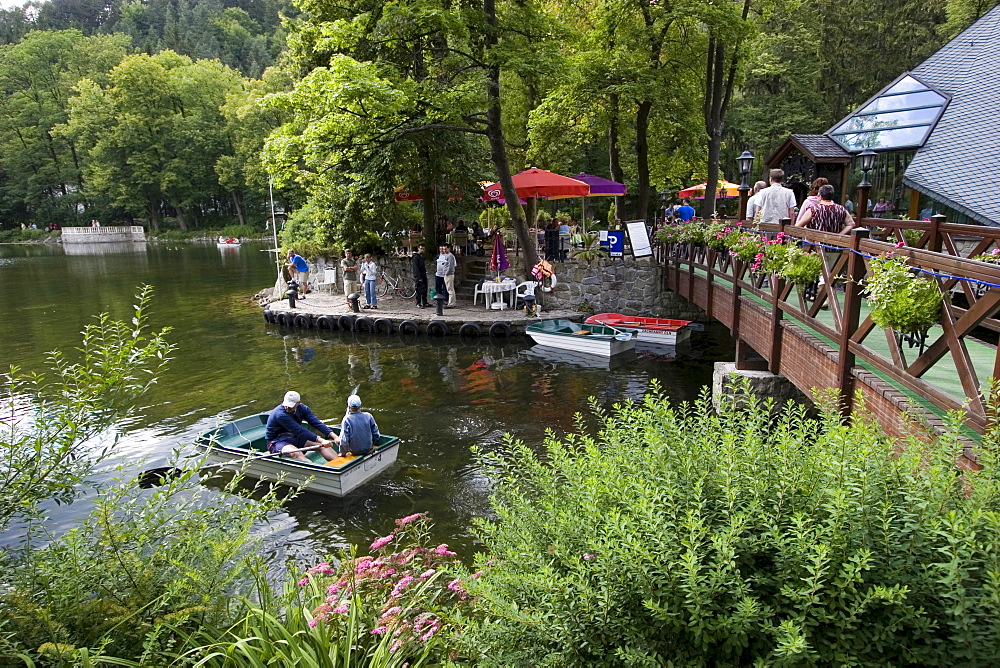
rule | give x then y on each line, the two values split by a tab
649	330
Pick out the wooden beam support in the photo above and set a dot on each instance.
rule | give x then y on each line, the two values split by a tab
849	322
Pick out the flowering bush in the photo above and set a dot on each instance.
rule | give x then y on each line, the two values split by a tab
391	608
411	587
993	257
746	246
899	300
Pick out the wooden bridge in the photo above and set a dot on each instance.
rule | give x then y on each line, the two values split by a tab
827	340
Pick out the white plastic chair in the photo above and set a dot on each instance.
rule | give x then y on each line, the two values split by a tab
524	288
329	279
478	291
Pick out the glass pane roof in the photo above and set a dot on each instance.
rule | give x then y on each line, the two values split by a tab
902	116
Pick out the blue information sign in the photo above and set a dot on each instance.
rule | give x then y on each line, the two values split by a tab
616	243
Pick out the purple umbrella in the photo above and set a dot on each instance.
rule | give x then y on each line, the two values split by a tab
600	187
498	261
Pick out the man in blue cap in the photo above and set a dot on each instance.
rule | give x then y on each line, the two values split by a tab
285	434
358	432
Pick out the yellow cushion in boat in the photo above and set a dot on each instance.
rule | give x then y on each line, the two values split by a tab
340	461
582	332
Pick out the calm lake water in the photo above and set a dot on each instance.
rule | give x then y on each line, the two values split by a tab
441	396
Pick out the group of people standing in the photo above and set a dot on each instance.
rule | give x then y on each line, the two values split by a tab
368	270
769	204
444	275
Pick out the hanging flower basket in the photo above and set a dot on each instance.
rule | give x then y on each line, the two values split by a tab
900	300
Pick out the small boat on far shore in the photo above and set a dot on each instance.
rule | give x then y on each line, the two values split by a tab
663	331
227	242
240	445
594	339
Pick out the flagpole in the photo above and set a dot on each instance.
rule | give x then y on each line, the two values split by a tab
274	228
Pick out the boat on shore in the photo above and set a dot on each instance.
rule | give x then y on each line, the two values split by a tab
594	339
663	331
237	443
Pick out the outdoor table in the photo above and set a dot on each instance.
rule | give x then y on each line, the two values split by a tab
491	288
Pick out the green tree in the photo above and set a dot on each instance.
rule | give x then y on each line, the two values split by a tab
43	169
155	134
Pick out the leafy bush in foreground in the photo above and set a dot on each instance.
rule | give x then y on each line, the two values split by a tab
682	537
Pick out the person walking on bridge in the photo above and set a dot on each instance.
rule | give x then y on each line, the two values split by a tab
777	201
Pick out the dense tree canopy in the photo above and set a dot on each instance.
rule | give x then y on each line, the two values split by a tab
180	110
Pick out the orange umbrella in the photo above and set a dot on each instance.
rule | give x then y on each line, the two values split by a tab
725	189
536	182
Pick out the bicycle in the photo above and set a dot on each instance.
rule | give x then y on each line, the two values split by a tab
403	286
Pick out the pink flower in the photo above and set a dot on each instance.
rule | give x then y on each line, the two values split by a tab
456	586
477	575
396	644
442	549
387	573
401	585
588	556
409	518
382	542
426	574
341	609
303	582
363	566
430	633
900	244
313	622
391	612
377	631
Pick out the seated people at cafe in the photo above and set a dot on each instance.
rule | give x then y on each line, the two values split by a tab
285	434
358	432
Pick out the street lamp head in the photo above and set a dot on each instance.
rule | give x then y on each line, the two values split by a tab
745	162
866	161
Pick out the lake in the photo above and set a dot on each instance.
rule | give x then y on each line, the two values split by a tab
442	396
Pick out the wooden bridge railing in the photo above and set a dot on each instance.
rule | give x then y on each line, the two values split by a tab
796	337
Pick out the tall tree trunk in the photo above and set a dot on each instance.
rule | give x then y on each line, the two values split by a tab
642	157
239	209
718	91
498	148
180	219
614	151
152	211
430	225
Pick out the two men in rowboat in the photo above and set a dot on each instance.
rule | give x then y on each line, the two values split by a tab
285	433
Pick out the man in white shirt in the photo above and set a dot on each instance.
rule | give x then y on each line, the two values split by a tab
776	202
752	202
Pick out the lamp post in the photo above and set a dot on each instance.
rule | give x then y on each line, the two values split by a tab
663	203
745	164
866	161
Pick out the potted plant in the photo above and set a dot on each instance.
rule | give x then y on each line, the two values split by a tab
901	301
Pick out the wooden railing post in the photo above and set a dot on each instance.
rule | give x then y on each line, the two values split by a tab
741	353
934	242
774	358
852	316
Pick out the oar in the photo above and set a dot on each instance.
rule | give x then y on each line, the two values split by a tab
156	477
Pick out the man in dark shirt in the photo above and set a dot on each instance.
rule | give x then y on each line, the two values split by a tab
419	267
285	433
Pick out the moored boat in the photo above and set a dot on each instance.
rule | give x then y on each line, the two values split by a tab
650	330
237	443
594	339
225	242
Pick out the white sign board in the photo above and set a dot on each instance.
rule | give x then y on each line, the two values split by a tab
639	238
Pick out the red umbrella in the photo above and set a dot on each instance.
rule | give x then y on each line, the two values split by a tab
536	182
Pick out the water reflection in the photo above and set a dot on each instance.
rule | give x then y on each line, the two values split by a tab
108	248
441	396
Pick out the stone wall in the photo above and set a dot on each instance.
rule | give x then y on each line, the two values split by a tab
762	384
622	285
632	286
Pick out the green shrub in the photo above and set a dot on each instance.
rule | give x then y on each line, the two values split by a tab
900	300
141	570
678	536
